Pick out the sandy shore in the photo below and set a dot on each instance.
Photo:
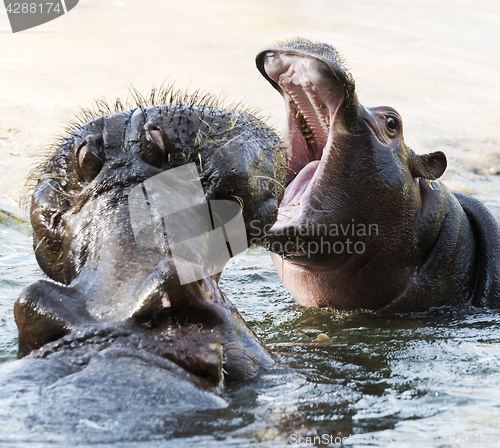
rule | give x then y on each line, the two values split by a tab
438	63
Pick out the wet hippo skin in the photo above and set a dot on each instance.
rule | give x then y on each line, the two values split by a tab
113	337
364	224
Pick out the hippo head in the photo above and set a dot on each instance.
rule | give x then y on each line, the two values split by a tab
79	208
354	191
84	241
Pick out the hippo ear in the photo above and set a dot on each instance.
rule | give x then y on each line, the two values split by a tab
428	166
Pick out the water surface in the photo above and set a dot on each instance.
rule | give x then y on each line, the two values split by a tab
406	377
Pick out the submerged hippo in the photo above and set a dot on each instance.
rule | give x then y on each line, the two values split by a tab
364	224
114	341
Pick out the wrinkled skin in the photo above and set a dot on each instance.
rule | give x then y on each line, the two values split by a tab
116	327
364	224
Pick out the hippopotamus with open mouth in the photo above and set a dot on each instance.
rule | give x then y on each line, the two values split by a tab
364	224
114	337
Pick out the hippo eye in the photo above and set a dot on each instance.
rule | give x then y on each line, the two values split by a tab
392	123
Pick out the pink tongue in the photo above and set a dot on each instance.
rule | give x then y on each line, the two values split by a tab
290	207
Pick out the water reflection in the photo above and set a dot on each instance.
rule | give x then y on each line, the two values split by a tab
18	269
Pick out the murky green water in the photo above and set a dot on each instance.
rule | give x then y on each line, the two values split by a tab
18	269
399	380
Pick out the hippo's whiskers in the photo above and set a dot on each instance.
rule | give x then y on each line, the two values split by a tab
38	245
240	201
272	180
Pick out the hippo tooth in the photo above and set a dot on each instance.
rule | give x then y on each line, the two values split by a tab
298	114
312	141
291	100
327	119
165	301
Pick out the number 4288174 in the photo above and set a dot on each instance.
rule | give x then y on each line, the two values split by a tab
471	438
34	8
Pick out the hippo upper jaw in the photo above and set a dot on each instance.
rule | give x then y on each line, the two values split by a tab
321	106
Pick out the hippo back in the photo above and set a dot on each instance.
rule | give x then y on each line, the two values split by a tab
486	225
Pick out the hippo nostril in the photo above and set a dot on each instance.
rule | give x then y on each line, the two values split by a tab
153	147
90	158
155	135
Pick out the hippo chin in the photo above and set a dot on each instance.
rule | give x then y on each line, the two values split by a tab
364	224
116	330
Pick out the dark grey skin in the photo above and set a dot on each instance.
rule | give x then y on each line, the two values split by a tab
415	245
115	337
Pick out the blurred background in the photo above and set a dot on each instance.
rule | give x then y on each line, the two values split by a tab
437	63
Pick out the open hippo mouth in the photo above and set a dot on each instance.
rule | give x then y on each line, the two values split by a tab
315	87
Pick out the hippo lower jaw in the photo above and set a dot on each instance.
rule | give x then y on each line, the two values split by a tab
184	354
191	328
313	96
